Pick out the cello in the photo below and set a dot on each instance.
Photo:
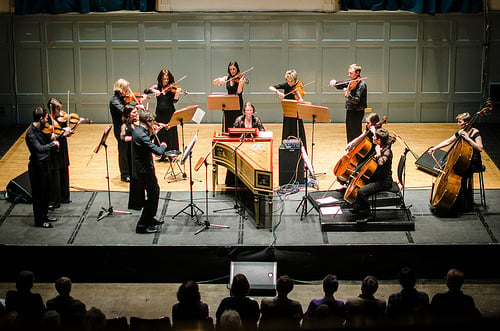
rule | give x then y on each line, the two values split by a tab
357	153
447	186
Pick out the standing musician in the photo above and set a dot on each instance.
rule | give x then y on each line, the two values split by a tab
116	106
130	122
59	158
167	94
292	91
381	178
234	84
39	145
372	124
355	93
248	119
144	170
465	199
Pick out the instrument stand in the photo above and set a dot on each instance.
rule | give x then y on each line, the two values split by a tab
240	208
207	224
223	102
303	203
109	211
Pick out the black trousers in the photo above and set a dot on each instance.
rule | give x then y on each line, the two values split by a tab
122	158
353	123
366	191
136	195
149	183
39	172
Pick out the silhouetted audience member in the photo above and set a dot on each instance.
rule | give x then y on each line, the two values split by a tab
230	320
190	309
10	321
365	310
454	306
2	308
409	306
280	312
327	311
51	321
94	320
28	305
63	303
247	308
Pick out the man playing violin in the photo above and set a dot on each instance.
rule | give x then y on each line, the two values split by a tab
59	158
144	170
355	92
234	84
381	178
39	145
167	94
291	91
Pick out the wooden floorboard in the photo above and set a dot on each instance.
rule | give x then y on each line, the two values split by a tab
88	169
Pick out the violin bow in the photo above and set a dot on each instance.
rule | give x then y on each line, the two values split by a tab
69	113
349	80
240	74
172	84
406	145
295	88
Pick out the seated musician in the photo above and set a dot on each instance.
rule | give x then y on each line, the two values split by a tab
248	119
465	199
381	178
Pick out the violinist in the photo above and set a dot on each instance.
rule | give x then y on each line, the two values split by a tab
381	178
465	198
130	122
292	91
167	94
234	84
39	145
355	93
144	170
59	158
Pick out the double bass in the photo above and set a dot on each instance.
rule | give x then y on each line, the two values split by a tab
357	153
446	188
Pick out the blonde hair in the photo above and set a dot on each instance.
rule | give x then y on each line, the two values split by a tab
248	103
356	67
291	74
464	117
121	85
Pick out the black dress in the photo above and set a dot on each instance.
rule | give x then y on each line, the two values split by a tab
231	115
164	110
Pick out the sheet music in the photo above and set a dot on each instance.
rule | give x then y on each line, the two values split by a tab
198	115
335	210
327	200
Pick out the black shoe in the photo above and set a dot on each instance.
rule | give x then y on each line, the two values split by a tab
135	207
126	179
147	229
45	225
53	207
50	219
156	222
66	201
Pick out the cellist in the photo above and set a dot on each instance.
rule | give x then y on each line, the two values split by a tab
381	178
465	200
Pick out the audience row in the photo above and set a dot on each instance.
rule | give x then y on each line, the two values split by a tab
409	307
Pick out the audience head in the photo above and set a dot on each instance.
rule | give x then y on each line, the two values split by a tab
330	284
240	286
369	285
63	286
10	321
284	285
51	321
94	320
25	280
407	278
454	279
189	292
230	320
77	312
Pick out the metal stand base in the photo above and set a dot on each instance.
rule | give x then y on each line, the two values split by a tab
107	212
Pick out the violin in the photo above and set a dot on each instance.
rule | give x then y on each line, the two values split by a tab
299	92
134	96
64	117
236	79
55	129
173	88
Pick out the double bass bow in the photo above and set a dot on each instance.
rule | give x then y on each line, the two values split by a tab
356	153
446	188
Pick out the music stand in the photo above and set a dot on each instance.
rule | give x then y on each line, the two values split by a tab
313	113
182	116
107	211
309	168
224	102
206	224
192	206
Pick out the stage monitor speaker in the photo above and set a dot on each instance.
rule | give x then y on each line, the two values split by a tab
19	189
260	275
289	157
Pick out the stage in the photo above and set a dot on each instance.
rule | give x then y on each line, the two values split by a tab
109	250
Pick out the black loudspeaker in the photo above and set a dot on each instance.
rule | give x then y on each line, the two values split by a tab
291	163
260	275
19	189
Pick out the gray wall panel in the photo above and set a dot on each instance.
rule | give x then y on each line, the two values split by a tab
468	70
435	69
29	75
92	31
61	74
93	70
402	74
5	69
59	32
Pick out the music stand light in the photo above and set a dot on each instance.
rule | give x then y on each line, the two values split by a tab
107	211
223	102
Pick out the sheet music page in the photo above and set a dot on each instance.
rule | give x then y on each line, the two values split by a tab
265	134
198	115
324	201
335	210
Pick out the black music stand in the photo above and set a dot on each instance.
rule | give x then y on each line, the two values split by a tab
309	169
192	206
182	116
206	224
224	102
107	211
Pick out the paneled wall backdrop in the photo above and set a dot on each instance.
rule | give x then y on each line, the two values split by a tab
420	68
